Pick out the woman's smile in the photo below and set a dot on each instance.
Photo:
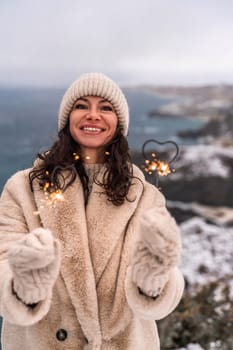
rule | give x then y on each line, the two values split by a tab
92	129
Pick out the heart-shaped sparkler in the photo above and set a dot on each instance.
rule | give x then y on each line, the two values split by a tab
155	165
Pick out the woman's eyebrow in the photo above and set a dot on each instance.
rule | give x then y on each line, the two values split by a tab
86	100
105	100
82	99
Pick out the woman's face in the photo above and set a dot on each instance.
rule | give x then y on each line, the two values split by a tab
93	124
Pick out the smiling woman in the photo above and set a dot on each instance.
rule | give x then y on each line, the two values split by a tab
88	251
93	123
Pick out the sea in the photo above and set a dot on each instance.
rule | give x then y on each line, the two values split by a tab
28	124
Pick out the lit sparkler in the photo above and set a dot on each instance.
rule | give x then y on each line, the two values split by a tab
76	156
51	199
51	195
154	164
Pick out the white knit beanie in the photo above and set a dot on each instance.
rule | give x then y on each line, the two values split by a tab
95	84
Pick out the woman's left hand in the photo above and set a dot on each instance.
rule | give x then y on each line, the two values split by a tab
156	252
159	234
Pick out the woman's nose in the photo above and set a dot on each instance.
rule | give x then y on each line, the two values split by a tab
93	114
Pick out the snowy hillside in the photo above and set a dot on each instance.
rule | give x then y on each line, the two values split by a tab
204	160
207	252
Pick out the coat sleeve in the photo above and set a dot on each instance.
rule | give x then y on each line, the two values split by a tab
13	227
142	305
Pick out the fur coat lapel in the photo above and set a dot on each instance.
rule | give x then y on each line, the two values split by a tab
106	223
88	237
67	221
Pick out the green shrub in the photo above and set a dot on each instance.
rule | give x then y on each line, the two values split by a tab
204	317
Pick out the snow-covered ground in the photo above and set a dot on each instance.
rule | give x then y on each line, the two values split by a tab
203	160
207	252
220	216
213	346
192	347
188	105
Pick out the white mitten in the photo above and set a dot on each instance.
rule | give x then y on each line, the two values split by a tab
35	263
156	252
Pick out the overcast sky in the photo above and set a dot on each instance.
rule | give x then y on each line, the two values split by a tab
50	42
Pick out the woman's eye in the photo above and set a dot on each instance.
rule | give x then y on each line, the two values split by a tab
80	106
107	108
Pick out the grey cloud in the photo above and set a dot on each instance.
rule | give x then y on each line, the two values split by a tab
50	42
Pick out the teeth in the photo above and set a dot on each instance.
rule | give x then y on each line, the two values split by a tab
91	129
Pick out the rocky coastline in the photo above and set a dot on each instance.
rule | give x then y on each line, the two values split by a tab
200	196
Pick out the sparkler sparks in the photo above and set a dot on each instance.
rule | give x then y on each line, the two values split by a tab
51	196
76	156
161	167
157	166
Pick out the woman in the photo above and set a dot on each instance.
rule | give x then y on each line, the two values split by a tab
88	251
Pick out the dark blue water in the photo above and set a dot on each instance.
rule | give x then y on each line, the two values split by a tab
144	127
28	124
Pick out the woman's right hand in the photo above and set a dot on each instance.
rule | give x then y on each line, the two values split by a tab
35	263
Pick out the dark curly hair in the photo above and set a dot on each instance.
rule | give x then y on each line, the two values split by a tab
117	178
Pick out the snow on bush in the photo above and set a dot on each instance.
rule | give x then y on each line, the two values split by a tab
192	347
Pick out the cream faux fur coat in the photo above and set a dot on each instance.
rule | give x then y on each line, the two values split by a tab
94	303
